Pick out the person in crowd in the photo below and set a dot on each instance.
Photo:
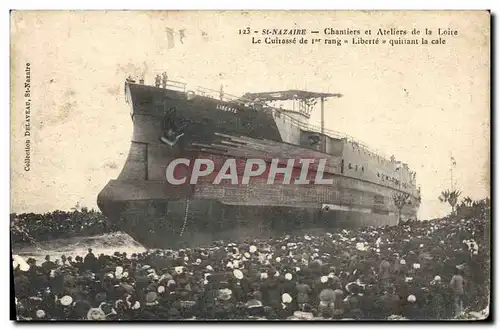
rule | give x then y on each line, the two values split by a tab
408	271
457	285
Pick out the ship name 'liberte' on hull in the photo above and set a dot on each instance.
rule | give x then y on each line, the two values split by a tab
171	122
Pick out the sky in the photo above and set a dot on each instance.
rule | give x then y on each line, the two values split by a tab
420	103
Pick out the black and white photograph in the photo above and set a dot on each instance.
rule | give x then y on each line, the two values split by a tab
250	165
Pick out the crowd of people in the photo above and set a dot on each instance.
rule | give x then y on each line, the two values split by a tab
32	227
436	269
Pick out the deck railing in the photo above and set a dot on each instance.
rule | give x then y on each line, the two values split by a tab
176	85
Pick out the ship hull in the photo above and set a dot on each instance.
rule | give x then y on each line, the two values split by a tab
159	214
189	223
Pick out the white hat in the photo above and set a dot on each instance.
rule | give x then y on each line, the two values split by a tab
286	298
96	314
209	268
119	270
66	300
179	269
161	289
324	279
253	249
437	278
263	276
412	298
402	262
40	313
288	276
238	274
278	259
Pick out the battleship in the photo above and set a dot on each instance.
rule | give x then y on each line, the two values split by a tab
171	122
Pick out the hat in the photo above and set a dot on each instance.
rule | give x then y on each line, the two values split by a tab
253	249
286	298
252	303
118	270
263	276
224	294
238	274
161	289
40	313
324	279
66	300
288	276
437	278
96	314
151	298
412	298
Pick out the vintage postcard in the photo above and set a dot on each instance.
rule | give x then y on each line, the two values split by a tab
255	165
